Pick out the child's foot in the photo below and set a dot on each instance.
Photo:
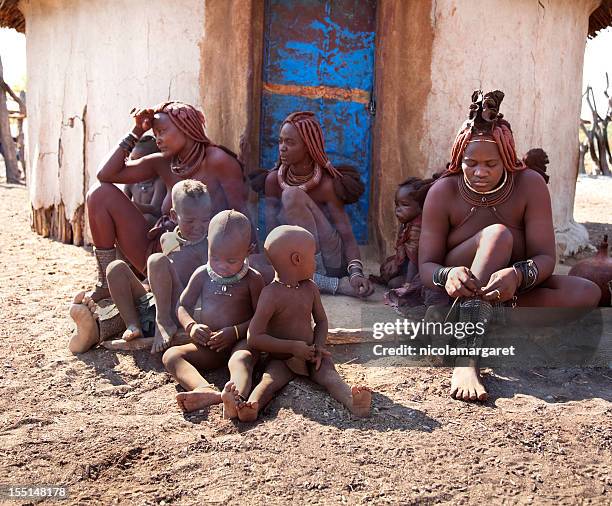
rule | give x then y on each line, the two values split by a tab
87	334
164	332
466	385
132	332
230	398
199	398
362	400
248	411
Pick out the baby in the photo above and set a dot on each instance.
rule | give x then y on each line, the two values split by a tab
229	290
400	272
147	195
282	327
183	251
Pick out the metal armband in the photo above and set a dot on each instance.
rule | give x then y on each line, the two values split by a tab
440	276
529	271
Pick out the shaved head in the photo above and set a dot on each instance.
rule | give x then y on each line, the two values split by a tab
285	241
229	226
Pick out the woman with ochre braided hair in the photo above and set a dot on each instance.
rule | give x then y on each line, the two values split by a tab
185	153
487	234
305	189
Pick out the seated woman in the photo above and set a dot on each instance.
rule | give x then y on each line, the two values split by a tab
305	189
185	153
487	234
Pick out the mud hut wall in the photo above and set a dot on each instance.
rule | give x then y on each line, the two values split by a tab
89	63
230	77
431	56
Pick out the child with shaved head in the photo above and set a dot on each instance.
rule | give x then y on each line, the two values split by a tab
282	327
183	251
229	291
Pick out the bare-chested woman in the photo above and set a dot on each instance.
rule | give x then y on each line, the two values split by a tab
185	153
305	189
487	232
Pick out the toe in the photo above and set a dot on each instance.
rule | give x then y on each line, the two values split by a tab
482	394
78	298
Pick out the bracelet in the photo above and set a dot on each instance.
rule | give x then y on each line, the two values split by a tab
237	333
128	142
440	276
355	264
188	327
136	138
530	272
356	275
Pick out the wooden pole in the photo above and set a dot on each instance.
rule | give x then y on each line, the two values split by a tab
13	174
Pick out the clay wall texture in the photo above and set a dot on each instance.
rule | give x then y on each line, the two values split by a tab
90	62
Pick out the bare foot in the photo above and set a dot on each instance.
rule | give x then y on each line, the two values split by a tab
466	385
199	398
248	411
230	398
132	332
362	400
87	332
164	332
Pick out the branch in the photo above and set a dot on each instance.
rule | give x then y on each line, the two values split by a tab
7	89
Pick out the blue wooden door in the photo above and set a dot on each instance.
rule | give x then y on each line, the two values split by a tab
319	56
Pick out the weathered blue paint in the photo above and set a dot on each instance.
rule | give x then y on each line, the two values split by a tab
329	43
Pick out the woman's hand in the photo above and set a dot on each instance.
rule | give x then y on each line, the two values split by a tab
362	286
223	339
143	120
501	286
462	283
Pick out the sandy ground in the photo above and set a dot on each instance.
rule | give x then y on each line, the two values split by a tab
105	424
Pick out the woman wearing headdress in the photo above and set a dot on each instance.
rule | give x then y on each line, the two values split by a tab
305	189
185	153
487	235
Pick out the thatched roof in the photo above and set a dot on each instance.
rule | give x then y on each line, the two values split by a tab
11	16
601	18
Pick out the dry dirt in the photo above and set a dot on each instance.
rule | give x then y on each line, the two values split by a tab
105	423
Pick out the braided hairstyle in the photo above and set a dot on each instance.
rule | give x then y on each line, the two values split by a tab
485	120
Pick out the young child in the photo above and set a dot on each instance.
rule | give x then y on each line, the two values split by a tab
134	310
400	272
282	326
147	195
403	266
183	251
229	290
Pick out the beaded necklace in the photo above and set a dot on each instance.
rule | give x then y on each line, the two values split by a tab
229	280
186	242
288	285
286	177
489	198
